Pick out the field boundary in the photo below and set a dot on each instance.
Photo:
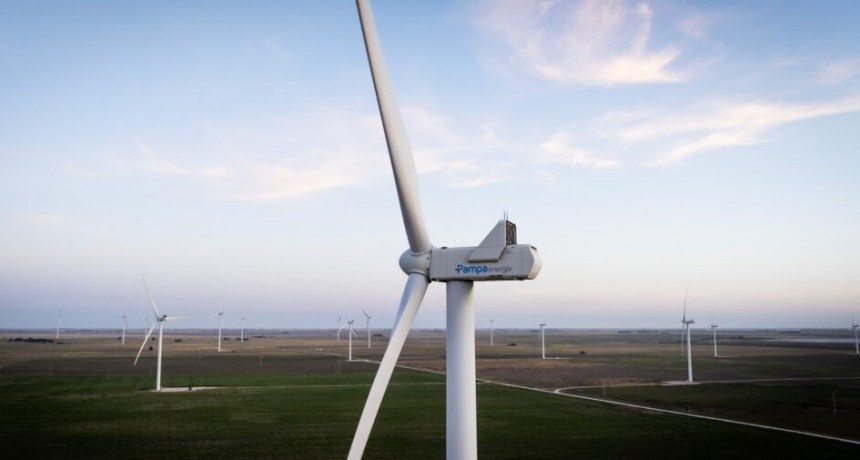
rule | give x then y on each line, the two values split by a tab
684	414
559	392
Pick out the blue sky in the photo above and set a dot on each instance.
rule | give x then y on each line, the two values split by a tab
232	153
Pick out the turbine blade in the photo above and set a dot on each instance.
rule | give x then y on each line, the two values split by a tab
151	302
402	163
145	339
413	293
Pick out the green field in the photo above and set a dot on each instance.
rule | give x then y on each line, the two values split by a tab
291	399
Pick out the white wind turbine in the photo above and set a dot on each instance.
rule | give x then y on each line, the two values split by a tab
124	325
350	334
854	326
242	329
159	321
714	327
542	340
59	325
368	327
498	257
220	315
685	323
491	332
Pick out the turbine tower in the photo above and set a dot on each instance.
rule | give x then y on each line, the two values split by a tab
159	321
124	325
242	329
491	332
498	257
542	340
220	315
854	326
59	325
350	335
685	324
340	326
368	327
714	327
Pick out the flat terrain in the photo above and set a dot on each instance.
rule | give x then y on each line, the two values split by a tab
293	395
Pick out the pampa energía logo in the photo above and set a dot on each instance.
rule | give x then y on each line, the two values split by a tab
481	270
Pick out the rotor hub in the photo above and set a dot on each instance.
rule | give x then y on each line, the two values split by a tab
415	263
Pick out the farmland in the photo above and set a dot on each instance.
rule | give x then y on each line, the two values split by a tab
294	395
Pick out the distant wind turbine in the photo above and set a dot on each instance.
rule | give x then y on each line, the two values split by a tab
220	315
124	325
59	325
340	326
368	327
159	321
350	334
491	332
685	323
242	333
543	340
498	257
714	327
854	326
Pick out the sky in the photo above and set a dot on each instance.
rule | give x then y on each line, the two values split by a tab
232	153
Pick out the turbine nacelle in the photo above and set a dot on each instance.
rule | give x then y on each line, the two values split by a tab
498	257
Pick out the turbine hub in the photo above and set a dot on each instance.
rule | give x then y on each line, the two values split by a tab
415	263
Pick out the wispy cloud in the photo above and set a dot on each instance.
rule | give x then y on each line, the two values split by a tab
589	41
719	125
841	71
470	153
698	25
558	149
154	163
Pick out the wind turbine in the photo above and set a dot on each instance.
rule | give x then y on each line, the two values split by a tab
685	323
491	332
242	329
124	324
59	325
351	334
159	321
542	340
854	326
714	327
340	327
498	257
368	327
220	315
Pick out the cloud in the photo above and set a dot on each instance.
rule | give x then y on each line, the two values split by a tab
471	153
721	124
590	42
557	149
287	158
841	71
697	25
294	178
149	161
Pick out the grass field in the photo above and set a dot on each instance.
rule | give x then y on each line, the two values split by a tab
293	397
